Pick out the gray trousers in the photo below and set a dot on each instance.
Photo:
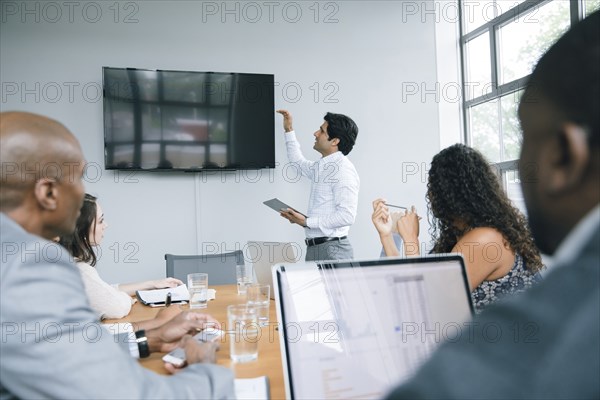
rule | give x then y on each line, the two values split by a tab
334	250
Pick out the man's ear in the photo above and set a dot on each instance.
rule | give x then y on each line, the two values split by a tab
570	158
46	193
335	141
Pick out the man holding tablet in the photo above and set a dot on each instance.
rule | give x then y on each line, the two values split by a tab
335	183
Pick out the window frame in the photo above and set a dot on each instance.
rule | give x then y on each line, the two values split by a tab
492	27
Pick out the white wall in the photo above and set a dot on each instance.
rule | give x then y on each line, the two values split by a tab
370	54
449	83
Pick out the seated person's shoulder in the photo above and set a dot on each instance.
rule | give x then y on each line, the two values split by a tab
49	257
487	250
483	235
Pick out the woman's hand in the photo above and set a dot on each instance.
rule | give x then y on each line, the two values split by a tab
162	317
166	314
381	218
166	283
408	225
408	228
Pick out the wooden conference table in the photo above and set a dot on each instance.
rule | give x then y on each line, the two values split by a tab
269	353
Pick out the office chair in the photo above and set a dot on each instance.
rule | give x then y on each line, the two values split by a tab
219	267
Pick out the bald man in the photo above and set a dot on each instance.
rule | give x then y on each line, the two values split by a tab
52	344
42	170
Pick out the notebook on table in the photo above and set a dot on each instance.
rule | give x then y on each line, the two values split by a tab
179	294
356	329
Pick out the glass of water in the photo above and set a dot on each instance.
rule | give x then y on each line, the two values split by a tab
244	278
198	287
260	296
244	332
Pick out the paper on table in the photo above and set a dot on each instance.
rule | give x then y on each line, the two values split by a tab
211	294
162	296
252	388
157	296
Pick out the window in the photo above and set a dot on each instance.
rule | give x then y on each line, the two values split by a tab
501	41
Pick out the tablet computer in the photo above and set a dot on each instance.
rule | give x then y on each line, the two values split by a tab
279	205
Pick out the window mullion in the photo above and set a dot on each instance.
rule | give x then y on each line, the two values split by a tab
577	11
500	127
494	56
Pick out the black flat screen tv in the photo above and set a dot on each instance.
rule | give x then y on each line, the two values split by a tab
188	121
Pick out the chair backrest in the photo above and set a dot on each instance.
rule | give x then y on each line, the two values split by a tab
219	267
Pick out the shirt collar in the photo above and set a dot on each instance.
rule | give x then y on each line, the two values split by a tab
573	244
333	157
5	219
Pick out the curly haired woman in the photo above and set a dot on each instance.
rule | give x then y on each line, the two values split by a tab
471	215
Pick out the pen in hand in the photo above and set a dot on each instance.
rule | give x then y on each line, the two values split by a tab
391	205
168	300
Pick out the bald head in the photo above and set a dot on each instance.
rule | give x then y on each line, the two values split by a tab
41	173
32	147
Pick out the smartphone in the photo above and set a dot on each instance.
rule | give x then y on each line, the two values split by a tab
177	356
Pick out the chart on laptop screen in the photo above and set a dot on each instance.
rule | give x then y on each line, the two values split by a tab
357	332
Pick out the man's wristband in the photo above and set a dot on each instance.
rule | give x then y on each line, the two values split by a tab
142	342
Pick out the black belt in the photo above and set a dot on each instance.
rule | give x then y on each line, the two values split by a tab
320	240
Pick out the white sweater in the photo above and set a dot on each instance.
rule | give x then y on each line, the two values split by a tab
106	300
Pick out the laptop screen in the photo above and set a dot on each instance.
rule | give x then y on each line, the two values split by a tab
357	329
263	255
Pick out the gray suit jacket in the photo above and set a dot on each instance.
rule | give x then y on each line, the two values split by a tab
544	344
53	346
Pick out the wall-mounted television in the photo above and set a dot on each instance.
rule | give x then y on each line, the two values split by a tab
188	121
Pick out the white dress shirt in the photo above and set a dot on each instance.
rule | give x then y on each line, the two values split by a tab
334	193
118	328
578	237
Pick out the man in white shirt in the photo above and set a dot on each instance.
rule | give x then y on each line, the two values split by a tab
335	183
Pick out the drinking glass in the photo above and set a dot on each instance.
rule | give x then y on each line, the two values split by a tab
198	287
244	278
244	332
260	296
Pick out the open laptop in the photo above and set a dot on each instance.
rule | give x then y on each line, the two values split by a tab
263	255
356	329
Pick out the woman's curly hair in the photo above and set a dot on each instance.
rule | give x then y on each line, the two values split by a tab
463	187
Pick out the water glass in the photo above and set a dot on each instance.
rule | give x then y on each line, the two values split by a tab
198	287
244	278
244	332
260	296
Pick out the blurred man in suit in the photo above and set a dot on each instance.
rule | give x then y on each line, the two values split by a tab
53	345
549	339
